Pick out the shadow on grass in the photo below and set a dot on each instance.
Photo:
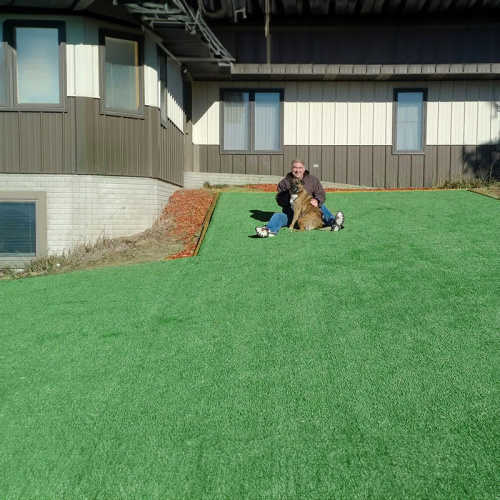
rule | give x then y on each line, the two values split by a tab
260	215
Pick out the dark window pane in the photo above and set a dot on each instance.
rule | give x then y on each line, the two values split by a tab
17	229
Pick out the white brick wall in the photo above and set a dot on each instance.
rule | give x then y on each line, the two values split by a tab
195	180
85	207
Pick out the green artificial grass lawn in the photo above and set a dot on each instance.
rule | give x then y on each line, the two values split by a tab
362	363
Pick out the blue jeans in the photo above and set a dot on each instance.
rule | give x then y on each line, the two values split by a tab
282	219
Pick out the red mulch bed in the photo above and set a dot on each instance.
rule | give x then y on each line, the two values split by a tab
266	188
271	188
188	208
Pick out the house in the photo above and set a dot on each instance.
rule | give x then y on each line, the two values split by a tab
108	106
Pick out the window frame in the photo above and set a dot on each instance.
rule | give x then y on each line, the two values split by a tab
9	41
103	34
396	92
251	139
39	198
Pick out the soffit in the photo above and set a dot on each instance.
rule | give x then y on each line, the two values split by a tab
340	72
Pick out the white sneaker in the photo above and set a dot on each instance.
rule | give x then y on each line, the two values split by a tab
263	232
339	222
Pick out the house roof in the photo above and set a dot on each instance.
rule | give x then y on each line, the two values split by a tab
192	30
342	10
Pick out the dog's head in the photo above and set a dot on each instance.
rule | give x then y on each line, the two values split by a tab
296	186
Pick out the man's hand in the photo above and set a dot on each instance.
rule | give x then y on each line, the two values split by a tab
314	202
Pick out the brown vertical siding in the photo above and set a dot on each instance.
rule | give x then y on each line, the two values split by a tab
353	164
30	141
171	159
203	158
443	163
340	164
290	152
303	154
69	140
391	168
264	165
479	160
239	164
9	142
83	141
328	163
315	159
277	165
430	166
52	134
379	167
155	151
226	164
456	163
417	171
85	136
213	159
366	165
404	171
37	142
470	153
252	164
373	166
168	159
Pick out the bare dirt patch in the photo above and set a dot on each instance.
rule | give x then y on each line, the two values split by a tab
493	191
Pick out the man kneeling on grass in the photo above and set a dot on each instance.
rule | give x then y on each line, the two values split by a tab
313	186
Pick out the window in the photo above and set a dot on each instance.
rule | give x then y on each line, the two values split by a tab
409	120
121	70
23	233
32	73
17	228
252	120
162	64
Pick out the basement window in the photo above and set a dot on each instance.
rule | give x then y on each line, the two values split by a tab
409	120
22	226
252	121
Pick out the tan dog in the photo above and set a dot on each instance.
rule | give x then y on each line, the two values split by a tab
304	214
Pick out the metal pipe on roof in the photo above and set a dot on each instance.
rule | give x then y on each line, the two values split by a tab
226	10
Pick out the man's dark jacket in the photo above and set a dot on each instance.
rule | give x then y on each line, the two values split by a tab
311	185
